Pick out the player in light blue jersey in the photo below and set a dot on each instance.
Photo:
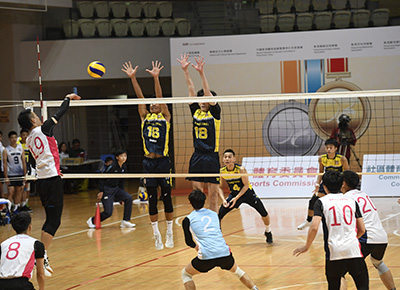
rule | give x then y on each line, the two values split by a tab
212	250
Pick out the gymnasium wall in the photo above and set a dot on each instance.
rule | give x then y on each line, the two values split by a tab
258	64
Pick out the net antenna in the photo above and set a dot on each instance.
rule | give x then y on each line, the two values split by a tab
42	110
26	5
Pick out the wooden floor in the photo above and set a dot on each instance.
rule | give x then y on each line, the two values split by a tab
112	258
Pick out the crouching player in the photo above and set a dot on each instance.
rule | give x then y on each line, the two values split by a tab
211	246
19	255
240	192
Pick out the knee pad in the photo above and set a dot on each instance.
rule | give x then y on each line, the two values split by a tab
186	277
239	272
28	187
380	266
153	200
167	200
51	227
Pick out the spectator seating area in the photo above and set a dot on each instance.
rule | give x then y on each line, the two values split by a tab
291	15
125	18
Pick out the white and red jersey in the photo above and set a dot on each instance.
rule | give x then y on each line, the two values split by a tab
339	214
375	233
18	256
15	157
45	151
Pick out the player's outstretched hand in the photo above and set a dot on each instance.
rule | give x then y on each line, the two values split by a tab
199	64
298	251
155	72
398	201
225	203
73	97
129	70
184	61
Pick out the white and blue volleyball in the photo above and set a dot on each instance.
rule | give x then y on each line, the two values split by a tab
96	69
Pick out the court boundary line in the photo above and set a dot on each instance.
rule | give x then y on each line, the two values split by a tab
106	225
138	265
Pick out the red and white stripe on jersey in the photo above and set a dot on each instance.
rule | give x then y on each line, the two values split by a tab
45	151
376	234
17	257
340	222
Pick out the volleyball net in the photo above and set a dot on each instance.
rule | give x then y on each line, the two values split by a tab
277	137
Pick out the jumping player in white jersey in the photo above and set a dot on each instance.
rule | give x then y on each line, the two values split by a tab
14	166
43	147
210	245
375	240
342	225
18	256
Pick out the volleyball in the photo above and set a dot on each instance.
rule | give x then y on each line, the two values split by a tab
143	195
96	69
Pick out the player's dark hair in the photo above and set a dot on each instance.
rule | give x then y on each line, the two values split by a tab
197	199
24	130
108	159
230	151
60	145
351	178
333	181
1	133
21	221
12	133
201	93
119	152
76	141
331	142
24	119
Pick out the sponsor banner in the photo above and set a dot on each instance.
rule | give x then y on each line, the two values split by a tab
284	185
255	48
381	183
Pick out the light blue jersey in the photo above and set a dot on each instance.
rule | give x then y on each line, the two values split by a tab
204	224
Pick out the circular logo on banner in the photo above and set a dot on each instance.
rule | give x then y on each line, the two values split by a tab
324	113
287	131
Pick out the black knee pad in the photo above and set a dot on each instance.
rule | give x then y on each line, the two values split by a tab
53	219
167	200
312	202
152	192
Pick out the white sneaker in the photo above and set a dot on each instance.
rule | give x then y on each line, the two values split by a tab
90	223
158	242
169	240
303	225
126	224
48	271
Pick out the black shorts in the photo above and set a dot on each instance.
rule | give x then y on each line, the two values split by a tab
203	266
17	182
204	163
337	268
51	191
157	165
248	197
21	283
377	251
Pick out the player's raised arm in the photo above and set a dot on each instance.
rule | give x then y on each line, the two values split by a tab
155	73
185	66
131	73
200	62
